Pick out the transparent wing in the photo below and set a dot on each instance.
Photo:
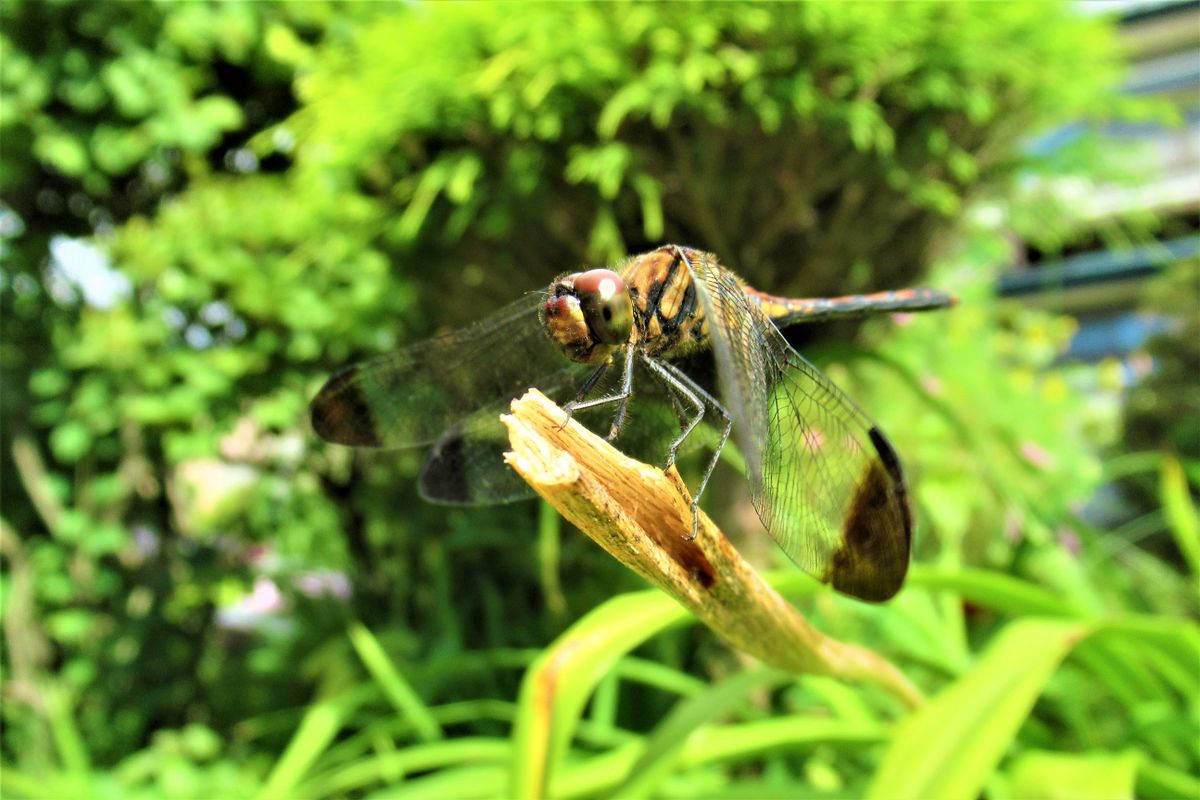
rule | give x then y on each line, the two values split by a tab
413	396
466	465
826	483
450	392
745	360
832	491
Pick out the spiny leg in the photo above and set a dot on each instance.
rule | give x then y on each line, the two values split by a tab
668	377
684	378
623	408
688	388
622	396
619	420
583	392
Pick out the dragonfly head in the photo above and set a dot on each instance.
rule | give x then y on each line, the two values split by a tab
589	314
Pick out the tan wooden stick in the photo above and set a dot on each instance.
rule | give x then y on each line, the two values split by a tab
639	514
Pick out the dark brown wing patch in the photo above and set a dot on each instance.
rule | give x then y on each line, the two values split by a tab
341	414
877	536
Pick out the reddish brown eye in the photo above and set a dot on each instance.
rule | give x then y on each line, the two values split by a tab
604	299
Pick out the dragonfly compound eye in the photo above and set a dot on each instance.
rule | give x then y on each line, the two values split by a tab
604	299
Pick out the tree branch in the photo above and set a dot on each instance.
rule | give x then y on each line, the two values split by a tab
639	514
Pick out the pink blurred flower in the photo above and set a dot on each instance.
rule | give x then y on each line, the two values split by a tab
1037	455
1070	541
265	598
1013	530
324	582
258	610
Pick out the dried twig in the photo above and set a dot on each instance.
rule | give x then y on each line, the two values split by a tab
639	514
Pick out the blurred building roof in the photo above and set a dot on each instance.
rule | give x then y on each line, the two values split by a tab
1163	39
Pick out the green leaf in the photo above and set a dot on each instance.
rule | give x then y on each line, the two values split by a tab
557	686
219	113
129	90
49	382
1067	776
461	183
1182	518
431	184
484	781
633	96
949	748
73	525
749	742
549	547
117	150
316	731
1159	780
665	744
652	212
393	685
104	540
392	767
68	739
994	590
199	741
61	150
39	785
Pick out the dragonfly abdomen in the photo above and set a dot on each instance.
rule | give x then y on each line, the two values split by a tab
788	311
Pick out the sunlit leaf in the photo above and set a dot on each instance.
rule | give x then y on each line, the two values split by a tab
559	683
1068	776
1182	518
949	748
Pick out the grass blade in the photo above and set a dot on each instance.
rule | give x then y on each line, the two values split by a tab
313	736
1182	518
950	747
559	683
1040	775
395	688
666	743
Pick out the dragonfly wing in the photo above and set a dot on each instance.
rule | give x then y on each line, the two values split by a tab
466	466
832	491
450	392
414	395
826	483
737	336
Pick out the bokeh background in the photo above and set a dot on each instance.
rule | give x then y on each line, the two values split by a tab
208	207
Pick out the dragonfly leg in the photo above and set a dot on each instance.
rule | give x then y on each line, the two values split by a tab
672	378
583	392
708	470
623	407
619	420
688	388
622	396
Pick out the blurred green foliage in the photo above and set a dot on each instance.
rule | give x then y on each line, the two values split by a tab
1163	411
200	600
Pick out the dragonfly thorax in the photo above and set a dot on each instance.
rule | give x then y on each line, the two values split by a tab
588	315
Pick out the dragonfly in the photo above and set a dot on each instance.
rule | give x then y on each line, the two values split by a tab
615	348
